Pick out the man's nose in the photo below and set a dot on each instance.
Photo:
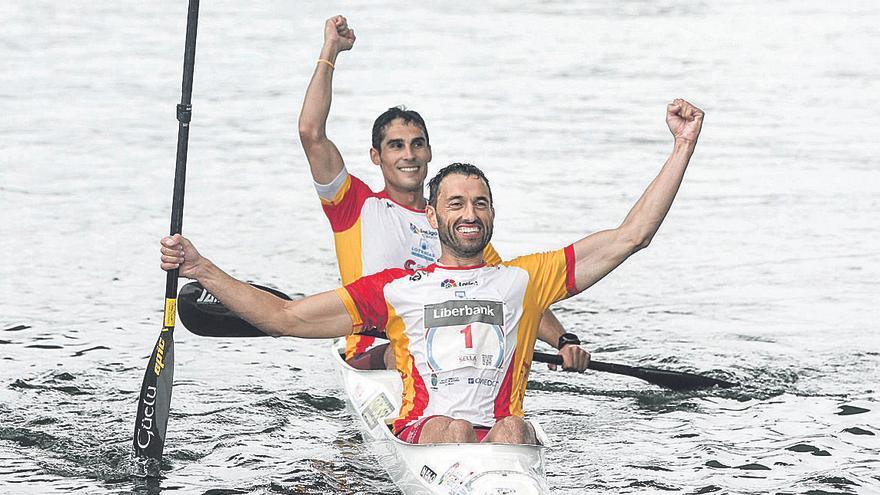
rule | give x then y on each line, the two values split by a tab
408	152
469	212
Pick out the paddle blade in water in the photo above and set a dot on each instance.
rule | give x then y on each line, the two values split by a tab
153	407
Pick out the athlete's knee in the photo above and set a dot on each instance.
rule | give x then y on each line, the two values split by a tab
460	431
512	429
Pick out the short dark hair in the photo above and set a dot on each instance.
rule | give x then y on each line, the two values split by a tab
398	112
465	169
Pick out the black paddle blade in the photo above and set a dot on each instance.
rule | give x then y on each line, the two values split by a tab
202	314
153	407
673	380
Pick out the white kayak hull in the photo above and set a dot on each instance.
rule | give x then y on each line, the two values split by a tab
449	469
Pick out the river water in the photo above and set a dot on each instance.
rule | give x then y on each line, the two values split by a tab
765	271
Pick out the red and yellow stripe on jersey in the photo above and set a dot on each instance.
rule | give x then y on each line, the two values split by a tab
372	232
463	337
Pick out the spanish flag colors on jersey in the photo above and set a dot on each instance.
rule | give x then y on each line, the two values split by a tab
372	233
463	337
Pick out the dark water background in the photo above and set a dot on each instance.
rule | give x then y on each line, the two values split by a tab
765	271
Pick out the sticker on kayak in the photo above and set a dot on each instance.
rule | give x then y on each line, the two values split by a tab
454	476
377	410
428	474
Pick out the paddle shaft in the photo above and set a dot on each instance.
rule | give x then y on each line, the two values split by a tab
155	398
620	369
184	113
675	380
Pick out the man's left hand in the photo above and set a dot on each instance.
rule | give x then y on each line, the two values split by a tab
684	120
574	358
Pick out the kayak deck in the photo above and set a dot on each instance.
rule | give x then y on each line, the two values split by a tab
374	398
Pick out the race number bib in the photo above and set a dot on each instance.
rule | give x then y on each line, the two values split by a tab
464	333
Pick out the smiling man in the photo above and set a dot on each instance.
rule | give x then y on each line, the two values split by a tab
386	229
477	335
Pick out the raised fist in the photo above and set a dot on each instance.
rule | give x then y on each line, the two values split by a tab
337	34
684	120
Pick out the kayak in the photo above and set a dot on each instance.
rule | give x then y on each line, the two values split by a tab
374	398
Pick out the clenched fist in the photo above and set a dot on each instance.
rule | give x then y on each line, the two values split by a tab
337	35
684	120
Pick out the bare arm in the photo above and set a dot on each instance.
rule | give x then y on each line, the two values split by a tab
598	254
320	316
324	158
574	357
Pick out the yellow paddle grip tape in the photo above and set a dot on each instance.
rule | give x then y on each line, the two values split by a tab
170	311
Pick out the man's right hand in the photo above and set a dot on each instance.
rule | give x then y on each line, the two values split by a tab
337	35
178	252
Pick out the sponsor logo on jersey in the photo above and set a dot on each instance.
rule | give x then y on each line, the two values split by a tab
389	204
460	294
450	283
482	381
415	229
415	277
463	312
437	382
423	251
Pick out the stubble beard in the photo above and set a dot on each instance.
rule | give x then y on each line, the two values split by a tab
463	249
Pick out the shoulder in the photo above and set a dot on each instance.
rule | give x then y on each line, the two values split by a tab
343	201
535	260
390	275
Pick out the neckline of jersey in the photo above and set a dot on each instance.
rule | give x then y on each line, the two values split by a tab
445	267
384	195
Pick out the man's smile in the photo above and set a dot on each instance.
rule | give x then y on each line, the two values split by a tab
469	230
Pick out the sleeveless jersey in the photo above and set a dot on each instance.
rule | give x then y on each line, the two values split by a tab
372	232
463	338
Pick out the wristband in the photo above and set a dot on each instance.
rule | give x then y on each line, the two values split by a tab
325	61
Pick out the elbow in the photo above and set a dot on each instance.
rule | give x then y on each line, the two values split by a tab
310	135
634	240
641	243
284	323
273	328
279	329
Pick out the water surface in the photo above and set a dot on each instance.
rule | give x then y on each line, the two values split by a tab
765	271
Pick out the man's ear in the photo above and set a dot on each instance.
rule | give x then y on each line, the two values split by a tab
375	156
431	213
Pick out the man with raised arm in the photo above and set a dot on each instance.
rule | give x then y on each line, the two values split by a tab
387	229
476	335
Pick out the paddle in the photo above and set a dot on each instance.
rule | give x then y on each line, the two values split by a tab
155	398
204	315
675	380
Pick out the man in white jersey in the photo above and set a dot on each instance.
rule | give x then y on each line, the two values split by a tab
473	325
387	229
